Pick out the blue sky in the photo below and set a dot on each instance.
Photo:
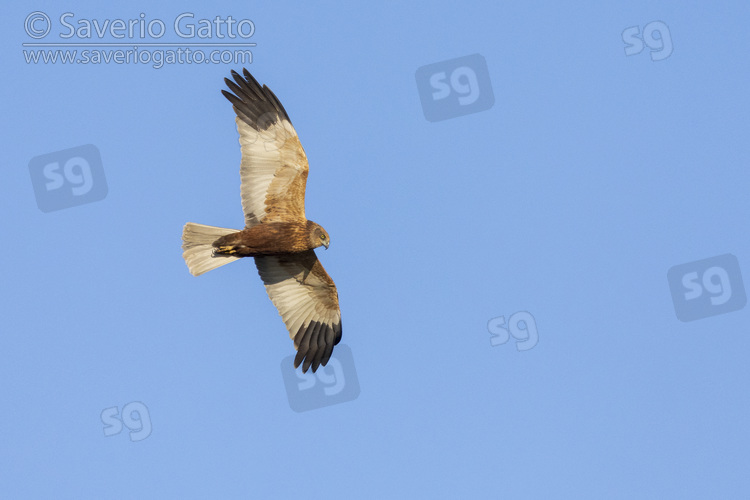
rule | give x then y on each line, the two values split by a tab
568	197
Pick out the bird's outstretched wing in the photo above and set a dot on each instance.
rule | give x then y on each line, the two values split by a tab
274	166
308	303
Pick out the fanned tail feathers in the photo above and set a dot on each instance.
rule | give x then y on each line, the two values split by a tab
198	251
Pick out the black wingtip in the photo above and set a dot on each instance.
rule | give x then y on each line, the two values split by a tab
250	78
298	359
314	343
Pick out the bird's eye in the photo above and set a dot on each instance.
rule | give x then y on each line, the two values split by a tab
322	236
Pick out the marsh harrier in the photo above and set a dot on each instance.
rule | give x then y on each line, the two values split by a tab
273	174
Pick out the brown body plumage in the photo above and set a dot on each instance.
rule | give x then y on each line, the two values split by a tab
273	238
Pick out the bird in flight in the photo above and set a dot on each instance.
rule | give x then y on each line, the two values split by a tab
273	174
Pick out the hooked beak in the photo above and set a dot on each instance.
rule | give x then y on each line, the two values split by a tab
326	245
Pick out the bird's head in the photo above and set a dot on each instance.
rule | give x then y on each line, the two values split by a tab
319	237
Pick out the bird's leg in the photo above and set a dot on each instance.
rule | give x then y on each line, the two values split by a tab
229	245
229	249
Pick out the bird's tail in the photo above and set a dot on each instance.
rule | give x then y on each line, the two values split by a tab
198	250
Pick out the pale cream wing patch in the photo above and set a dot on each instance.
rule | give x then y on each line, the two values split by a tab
274	166
307	301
